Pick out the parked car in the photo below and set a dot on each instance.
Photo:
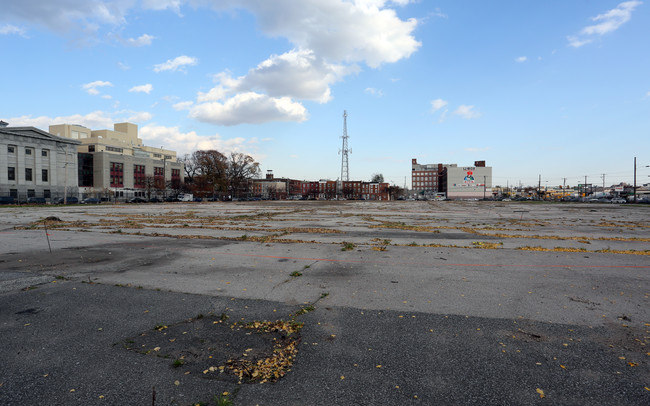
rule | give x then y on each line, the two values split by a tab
198	199
90	200
36	200
68	200
136	200
154	200
7	200
618	200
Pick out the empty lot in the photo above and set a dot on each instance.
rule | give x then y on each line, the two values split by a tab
405	302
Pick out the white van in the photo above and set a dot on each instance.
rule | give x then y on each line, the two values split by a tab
185	197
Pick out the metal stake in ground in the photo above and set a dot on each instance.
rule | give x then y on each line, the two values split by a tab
47	235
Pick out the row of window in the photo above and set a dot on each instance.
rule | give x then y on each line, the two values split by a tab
11	149
11	174
30	193
117	175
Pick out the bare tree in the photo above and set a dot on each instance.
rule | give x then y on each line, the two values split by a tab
395	192
241	169
191	166
377	177
150	184
212	166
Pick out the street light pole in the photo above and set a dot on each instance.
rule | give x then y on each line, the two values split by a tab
484	180
634	179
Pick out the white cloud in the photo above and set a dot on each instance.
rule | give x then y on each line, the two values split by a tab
8	29
466	112
483	149
437	104
142	40
186	143
139	117
178	63
97	120
186	105
251	108
174	5
576	42
521	59
374	92
269	90
107	96
336	30
64	16
94	120
142	89
91	87
123	66
607	22
298	74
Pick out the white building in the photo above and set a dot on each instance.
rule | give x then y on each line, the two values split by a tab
35	163
468	182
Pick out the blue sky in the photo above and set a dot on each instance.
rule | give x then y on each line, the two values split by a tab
554	88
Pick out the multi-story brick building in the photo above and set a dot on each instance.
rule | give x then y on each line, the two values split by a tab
117	163
427	180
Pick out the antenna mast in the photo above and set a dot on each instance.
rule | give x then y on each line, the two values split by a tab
345	170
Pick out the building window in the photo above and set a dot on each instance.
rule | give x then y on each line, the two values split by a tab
85	171
44	173
157	155
138	176
11	173
44	152
11	149
28	151
31	193
114	149
13	193
28	174
47	194
91	148
117	174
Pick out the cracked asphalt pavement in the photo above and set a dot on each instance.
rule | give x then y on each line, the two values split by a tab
433	303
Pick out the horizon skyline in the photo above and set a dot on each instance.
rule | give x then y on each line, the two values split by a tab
532	89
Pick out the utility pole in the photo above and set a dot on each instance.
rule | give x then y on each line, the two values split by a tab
634	179
539	187
603	176
585	186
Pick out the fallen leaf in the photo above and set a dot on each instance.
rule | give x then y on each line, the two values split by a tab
177	383
633	364
562	366
541	393
378	366
342	377
157	349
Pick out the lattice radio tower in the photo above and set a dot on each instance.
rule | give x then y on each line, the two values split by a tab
345	169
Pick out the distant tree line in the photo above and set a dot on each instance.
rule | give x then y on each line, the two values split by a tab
211	173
